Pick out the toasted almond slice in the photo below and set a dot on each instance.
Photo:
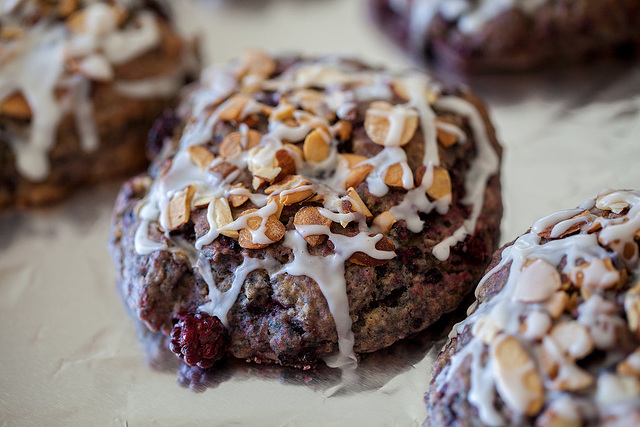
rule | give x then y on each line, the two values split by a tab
361	258
257	62
559	417
570	377
273	230
202	202
391	126
233	107
445	138
16	106
517	379
296	195
352	202
357	175
179	207
441	185
287	183
286	162
536	325
343	130
401	88
267	173
200	156
96	67
317	146
556	304
312	101
284	111
384	222
630	365
237	199
222	216
632	309
10	32
573	339
231	145
223	168
310	215
393	176
574	228
597	275
537	282
486	329
67	7
275	198
353	159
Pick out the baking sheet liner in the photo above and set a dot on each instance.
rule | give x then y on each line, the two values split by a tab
70	355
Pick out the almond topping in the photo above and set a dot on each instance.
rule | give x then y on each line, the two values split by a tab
384	222
286	162
352	202
10	32
441	185
287	183
267	173
67	7
361	258
517	379
573	339
284	111
342	130
391	126
352	159
400	88
200	156
202	202
486	329
632	309
599	274
224	169
537	282
16	106
222	216
393	176
536	325
317	146
273	230
310	215
551	418
557	303
445	138
357	175
233	107
630	365
231	145
258	62
237	199
296	195
179	207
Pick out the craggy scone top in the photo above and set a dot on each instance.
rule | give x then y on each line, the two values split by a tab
52	51
557	337
289	123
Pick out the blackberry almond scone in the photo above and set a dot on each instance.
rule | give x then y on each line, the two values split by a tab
81	82
304	209
554	337
480	35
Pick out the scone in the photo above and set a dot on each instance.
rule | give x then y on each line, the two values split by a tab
554	338
494	35
80	84
307	209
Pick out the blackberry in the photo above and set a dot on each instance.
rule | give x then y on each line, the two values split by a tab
200	340
162	128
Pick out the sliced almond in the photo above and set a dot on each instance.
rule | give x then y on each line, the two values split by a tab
317	146
284	111
558	418
287	183
596	275
570	377
267	173
391	126
237	199
537	282
630	365
573	339
276	199
179	207
202	202
231	145
312	101
352	202
257	62
296	194
200	156
632	309
441	184
486	329
556	304
310	215
342	130
357	175
352	159
446	139
224	169
67	7
10	32
16	106
222	216
402	89
393	176
232	108
286	162
547	233
273	230
384	222
517	379
361	258
536	325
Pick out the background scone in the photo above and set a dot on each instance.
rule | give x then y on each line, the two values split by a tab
80	84
314	207
510	35
555	336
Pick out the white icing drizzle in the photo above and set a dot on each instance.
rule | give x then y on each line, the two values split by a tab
34	65
598	313
346	87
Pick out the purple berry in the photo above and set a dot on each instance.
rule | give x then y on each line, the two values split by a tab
200	340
